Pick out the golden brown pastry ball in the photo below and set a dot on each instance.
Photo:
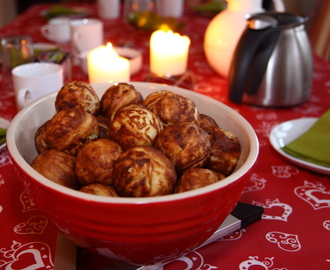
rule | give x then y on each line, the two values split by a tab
104	124
173	108
78	94
39	138
153	98
117	96
143	171
206	121
69	130
196	178
57	166
134	125
95	161
100	190
185	144
225	150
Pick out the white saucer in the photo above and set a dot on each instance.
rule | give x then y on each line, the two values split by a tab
287	132
4	124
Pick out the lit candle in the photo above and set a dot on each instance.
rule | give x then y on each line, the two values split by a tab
168	53
105	65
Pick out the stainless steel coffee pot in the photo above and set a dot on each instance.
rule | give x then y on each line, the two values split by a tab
272	64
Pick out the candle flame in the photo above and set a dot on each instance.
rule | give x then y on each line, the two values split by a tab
110	52
164	27
105	53
105	65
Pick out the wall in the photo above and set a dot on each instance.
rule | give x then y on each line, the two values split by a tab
304	7
7	11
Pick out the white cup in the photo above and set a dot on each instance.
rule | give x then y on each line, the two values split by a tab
170	8
34	80
57	30
86	34
108	9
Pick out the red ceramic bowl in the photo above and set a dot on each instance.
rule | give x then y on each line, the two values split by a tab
137	230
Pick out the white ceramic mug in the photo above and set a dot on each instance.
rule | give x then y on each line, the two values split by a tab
57	30
108	9
34	80
86	34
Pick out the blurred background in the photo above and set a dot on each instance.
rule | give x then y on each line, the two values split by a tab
10	8
316	10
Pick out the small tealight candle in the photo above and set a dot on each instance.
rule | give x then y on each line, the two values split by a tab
105	65
168	53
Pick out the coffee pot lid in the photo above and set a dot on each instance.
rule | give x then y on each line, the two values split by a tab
260	21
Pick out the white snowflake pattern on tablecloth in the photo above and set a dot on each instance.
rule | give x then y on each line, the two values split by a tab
36	255
5	104
308	110
254	261
286	209
266	116
193	260
314	99
204	87
256	183
264	128
233	236
263	143
34	225
202	67
27	203
4	158
2	180
284	171
326	225
315	194
285	241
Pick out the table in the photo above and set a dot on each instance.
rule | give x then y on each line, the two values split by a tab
294	231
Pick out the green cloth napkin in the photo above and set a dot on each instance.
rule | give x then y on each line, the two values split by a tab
314	145
211	7
60	10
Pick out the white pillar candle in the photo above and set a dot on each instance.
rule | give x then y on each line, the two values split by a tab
105	65
168	53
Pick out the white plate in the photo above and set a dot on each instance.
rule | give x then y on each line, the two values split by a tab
287	132
4	124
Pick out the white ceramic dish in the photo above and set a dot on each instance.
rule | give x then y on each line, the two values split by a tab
134	56
4	124
286	132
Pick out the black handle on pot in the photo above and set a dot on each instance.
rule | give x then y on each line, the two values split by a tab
250	61
267	4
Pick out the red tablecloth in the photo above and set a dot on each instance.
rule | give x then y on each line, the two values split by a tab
294	232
